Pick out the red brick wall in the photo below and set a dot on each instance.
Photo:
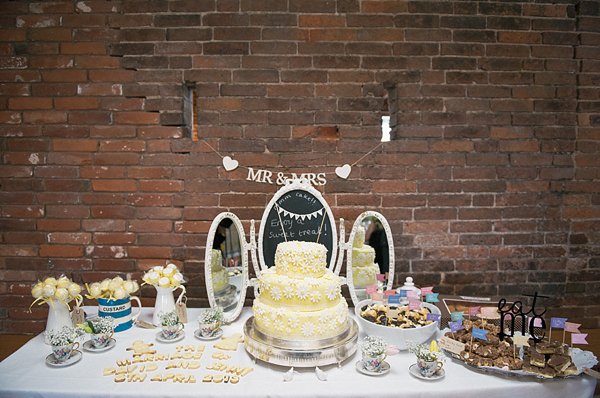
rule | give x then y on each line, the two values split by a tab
490	185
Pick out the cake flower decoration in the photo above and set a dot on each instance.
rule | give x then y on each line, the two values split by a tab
112	289
62	290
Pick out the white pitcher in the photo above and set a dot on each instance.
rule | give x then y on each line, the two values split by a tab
165	302
58	316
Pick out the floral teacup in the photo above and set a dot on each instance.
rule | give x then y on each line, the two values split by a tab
64	352
170	332
373	364
99	340
429	368
208	329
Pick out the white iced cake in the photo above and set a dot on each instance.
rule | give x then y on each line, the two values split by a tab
364	268
220	276
299	298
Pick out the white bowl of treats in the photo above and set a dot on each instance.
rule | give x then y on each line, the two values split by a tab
395	323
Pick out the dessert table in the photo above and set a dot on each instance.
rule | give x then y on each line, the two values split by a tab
26	374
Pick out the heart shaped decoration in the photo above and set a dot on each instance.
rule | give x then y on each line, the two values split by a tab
344	171
230	164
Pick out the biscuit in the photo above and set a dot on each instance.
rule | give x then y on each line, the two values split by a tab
230	343
108	371
157	377
234	379
151	367
218	378
194	365
119	378
207	378
140	348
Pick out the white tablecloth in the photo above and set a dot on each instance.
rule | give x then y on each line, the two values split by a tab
25	374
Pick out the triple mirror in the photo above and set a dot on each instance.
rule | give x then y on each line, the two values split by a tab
296	212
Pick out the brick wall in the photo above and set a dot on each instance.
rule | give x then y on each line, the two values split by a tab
490	183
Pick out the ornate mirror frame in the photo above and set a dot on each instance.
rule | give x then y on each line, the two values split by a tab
302	185
207	264
348	247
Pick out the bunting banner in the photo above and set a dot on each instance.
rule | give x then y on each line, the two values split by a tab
290	214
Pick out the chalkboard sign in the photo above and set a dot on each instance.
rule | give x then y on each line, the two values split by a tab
303	212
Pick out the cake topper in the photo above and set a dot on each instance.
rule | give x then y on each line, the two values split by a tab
516	310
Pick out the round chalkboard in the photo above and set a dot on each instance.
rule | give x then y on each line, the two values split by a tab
305	216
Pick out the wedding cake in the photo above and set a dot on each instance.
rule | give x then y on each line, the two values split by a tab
364	269
220	276
299	298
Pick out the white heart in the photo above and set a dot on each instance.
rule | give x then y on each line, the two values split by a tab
229	163
344	171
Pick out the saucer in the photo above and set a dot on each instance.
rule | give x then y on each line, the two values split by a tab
213	336
74	358
414	370
88	346
385	367
160	337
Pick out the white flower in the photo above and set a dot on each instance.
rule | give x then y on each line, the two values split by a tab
342	315
278	325
276	293
288	292
315	296
302	291
280	311
323	319
321	328
288	330
293	321
308	329
332	291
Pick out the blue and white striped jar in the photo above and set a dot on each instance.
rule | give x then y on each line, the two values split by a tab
120	310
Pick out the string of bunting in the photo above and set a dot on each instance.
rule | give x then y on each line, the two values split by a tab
343	172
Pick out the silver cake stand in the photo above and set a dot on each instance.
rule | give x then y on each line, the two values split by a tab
305	353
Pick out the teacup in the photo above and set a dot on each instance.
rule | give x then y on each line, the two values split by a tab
208	329
170	332
373	364
64	352
429	368
99	340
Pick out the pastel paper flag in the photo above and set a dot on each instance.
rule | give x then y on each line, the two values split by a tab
432	298
433	317
394	299
402	293
414	305
521	340
377	296
457	316
413	294
371	289
488	312
579	338
537	322
558	323
426	290
456	326
572	327
479	333
380	277
474	310
389	293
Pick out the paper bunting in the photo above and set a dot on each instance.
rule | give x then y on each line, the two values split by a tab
572	327
377	296
521	340
413	294
558	323
455	326
394	299
371	289
457	316
433	317
380	277
432	298
479	333
290	214
474	310
426	290
579	338
414	305
389	293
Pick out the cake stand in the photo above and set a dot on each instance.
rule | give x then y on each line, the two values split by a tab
226	297
303	353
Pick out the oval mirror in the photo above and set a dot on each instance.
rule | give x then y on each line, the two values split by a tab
296	212
226	265
370	252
